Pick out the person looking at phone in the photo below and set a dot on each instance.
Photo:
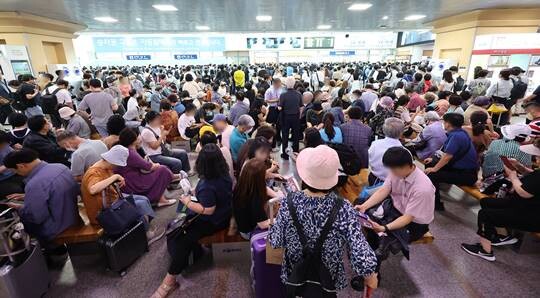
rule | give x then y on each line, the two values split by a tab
48	205
518	210
412	194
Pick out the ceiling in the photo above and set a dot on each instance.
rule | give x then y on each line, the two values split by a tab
239	15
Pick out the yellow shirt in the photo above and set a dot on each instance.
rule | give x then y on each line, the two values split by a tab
239	78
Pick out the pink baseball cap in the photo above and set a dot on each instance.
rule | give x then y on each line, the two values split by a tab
318	167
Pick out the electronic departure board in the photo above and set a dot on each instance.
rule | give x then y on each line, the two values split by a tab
318	42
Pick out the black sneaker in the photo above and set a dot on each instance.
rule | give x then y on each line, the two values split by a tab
503	240
477	250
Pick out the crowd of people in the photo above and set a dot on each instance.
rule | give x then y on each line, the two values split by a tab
412	127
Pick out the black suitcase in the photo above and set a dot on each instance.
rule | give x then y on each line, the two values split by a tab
124	250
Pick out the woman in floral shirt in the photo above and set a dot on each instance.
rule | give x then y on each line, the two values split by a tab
318	169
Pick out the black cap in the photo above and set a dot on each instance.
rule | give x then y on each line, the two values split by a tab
533	102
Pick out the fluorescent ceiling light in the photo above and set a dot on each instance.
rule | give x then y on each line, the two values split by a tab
360	6
202	28
385	18
165	7
138	19
106	19
324	27
264	18
414	17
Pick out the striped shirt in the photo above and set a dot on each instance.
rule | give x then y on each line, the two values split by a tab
493	163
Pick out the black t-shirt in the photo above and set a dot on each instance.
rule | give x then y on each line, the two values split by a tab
530	184
249	215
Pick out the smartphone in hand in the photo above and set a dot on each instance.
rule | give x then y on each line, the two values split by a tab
364	220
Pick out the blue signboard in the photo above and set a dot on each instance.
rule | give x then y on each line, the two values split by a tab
185	56
138	57
342	53
114	44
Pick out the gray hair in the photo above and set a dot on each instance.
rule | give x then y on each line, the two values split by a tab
393	127
431	116
246	120
64	135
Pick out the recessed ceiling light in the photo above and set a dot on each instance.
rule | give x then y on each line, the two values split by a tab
385	18
264	18
202	28
106	19
165	7
324	27
414	17
360	6
138	19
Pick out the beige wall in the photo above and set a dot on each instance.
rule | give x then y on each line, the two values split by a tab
455	45
48	41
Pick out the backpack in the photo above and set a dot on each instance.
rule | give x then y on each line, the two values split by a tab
381	75
49	102
459	84
349	160
479	89
519	89
310	277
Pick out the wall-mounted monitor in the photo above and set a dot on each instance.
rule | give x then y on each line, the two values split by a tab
318	42
21	67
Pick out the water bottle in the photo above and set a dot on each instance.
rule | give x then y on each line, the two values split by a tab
502	192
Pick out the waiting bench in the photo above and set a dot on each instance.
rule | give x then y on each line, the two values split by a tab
426	239
221	237
84	232
474	192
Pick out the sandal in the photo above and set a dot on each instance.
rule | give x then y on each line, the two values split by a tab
164	290
165	204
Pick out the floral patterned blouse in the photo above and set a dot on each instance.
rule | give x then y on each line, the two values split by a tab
346	231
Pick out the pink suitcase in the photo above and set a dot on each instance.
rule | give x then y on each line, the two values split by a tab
266	277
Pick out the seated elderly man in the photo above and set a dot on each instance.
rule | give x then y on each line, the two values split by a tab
49	203
392	129
85	152
430	139
240	134
458	163
41	140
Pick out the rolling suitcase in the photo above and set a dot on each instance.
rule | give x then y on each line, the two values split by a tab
124	250
266	277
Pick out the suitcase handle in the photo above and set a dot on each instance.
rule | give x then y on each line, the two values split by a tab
271	203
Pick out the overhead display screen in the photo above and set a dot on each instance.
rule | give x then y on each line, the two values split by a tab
318	42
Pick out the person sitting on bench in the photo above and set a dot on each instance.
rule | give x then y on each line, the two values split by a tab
519	209
48	205
412	194
458	163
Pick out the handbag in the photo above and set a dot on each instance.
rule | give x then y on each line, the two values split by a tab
164	149
367	192
120	216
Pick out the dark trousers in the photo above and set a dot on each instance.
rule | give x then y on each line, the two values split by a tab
13	184
290	124
5	111
181	246
509	212
452	176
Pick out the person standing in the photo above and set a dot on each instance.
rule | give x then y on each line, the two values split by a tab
271	97
102	106
289	106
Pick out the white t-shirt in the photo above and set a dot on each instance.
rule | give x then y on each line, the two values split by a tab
147	137
62	96
132	104
226	136
184	122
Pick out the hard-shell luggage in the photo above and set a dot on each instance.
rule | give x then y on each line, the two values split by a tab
266	277
124	250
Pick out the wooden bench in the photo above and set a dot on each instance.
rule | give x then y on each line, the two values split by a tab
221	237
426	239
474	192
181	143
84	232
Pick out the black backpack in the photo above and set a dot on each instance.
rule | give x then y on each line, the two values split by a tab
519	89
310	277
49	102
349	160
459	85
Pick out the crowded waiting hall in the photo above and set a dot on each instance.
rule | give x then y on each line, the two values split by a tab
269	149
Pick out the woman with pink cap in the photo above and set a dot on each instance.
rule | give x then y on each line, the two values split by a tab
304	213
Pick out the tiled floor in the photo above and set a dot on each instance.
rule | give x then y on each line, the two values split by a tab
440	269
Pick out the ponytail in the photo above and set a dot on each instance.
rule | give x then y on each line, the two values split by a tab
478	122
328	122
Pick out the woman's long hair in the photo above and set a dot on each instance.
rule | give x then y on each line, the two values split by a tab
447	76
211	164
328	122
251	183
478	122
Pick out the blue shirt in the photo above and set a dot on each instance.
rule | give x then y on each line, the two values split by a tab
338	137
460	146
50	201
215	192
7	173
290	71
179	108
236	141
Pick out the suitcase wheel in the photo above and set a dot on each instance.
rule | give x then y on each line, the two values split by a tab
122	273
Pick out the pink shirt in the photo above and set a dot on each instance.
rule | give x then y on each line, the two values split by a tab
414	195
